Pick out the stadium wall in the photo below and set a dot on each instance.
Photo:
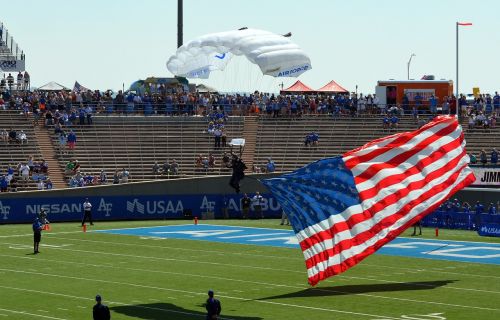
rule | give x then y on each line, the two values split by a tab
162	199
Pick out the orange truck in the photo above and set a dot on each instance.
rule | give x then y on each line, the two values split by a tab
391	92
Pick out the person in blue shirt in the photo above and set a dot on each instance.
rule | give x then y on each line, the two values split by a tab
71	139
494	157
213	307
433	102
386	122
394	121
3	184
478	208
492	209
37	234
496	102
270	166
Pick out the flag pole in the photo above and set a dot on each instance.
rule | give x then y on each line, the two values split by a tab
456	84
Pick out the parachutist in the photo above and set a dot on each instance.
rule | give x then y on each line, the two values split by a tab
238	172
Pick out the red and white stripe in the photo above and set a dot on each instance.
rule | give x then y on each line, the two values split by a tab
400	179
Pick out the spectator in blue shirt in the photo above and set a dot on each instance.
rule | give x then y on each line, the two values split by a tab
394	121
478	208
270	166
88	114
494	157
433	102
71	140
492	209
81	116
386	122
496	103
418	100
3	184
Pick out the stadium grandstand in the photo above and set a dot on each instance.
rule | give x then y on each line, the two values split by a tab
138	133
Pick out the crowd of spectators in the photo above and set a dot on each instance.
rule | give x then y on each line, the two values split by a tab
13	137
21	82
175	100
482	158
24	173
456	214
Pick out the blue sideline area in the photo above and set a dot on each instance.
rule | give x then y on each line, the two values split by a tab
406	247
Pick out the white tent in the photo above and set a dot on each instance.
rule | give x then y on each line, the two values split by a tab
202	88
53	86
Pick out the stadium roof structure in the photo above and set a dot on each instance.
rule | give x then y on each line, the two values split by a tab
298	87
333	87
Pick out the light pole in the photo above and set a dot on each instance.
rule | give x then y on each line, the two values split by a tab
408	64
456	84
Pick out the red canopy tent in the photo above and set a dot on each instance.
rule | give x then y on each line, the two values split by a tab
297	87
332	87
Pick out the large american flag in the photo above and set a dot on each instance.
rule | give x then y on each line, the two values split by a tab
345	208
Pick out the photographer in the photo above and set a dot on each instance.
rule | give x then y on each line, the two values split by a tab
37	234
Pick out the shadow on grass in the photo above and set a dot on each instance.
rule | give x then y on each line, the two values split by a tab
362	288
163	311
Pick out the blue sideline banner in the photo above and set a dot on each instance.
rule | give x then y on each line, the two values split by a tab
130	207
489	230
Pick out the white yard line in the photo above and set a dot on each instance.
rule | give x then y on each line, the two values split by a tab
175	248
171	259
244	299
31	234
427	270
30	314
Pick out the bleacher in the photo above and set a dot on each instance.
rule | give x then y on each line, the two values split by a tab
478	139
13	153
136	142
282	139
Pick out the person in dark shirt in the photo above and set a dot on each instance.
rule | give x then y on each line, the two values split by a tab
37	234
213	307
100	311
245	205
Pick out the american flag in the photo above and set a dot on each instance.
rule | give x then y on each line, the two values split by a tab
345	208
79	88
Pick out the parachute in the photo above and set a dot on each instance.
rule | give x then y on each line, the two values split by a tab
275	54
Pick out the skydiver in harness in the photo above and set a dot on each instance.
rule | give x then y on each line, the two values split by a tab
239	168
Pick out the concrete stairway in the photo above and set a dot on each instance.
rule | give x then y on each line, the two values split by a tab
250	136
49	154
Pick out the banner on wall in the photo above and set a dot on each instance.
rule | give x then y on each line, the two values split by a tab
486	176
489	230
130	207
424	93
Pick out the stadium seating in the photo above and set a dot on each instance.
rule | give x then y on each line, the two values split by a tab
13	154
136	142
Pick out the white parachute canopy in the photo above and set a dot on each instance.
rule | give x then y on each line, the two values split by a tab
275	54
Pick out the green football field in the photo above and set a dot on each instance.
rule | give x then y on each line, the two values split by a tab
148	278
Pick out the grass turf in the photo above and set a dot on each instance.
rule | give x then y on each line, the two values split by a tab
145	278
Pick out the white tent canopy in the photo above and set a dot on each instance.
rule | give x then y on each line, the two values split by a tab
53	86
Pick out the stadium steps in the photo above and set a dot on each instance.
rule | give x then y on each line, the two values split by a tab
250	136
49	154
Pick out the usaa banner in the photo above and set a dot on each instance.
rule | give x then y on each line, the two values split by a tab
138	208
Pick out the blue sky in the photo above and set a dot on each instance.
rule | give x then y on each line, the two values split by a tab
103	44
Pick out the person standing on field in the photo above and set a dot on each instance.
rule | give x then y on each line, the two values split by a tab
100	311
87	212
37	234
